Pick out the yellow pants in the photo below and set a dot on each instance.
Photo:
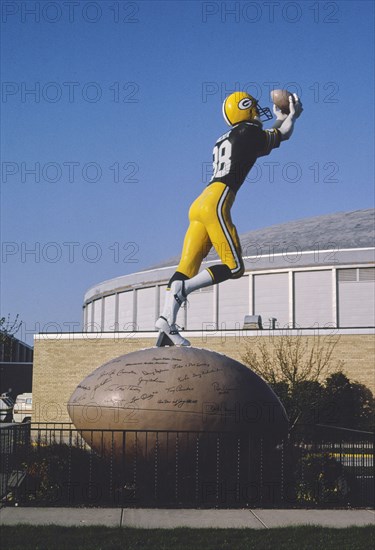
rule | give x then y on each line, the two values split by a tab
211	225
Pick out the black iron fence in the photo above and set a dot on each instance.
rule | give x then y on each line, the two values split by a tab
54	465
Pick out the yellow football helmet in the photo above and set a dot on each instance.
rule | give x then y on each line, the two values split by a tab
241	106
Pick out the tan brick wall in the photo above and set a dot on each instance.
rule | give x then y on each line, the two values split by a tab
59	365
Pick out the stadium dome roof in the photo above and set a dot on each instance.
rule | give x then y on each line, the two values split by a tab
342	238
342	230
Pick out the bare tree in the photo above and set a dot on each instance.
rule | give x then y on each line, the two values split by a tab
292	359
9	328
295	367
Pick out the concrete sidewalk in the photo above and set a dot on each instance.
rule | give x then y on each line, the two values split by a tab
168	519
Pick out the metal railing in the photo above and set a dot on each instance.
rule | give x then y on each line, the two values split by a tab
55	465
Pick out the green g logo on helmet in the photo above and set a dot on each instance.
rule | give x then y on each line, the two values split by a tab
241	106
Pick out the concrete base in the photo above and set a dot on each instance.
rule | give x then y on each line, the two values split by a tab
169	519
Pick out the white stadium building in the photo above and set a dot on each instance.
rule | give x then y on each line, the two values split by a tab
316	272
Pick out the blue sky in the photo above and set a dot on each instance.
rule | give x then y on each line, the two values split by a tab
109	114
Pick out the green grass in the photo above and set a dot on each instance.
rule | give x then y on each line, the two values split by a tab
27	537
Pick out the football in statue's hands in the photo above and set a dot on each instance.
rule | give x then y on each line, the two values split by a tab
281	99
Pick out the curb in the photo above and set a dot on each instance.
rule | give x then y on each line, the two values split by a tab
147	518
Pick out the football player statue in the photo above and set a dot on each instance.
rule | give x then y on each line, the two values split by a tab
234	154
